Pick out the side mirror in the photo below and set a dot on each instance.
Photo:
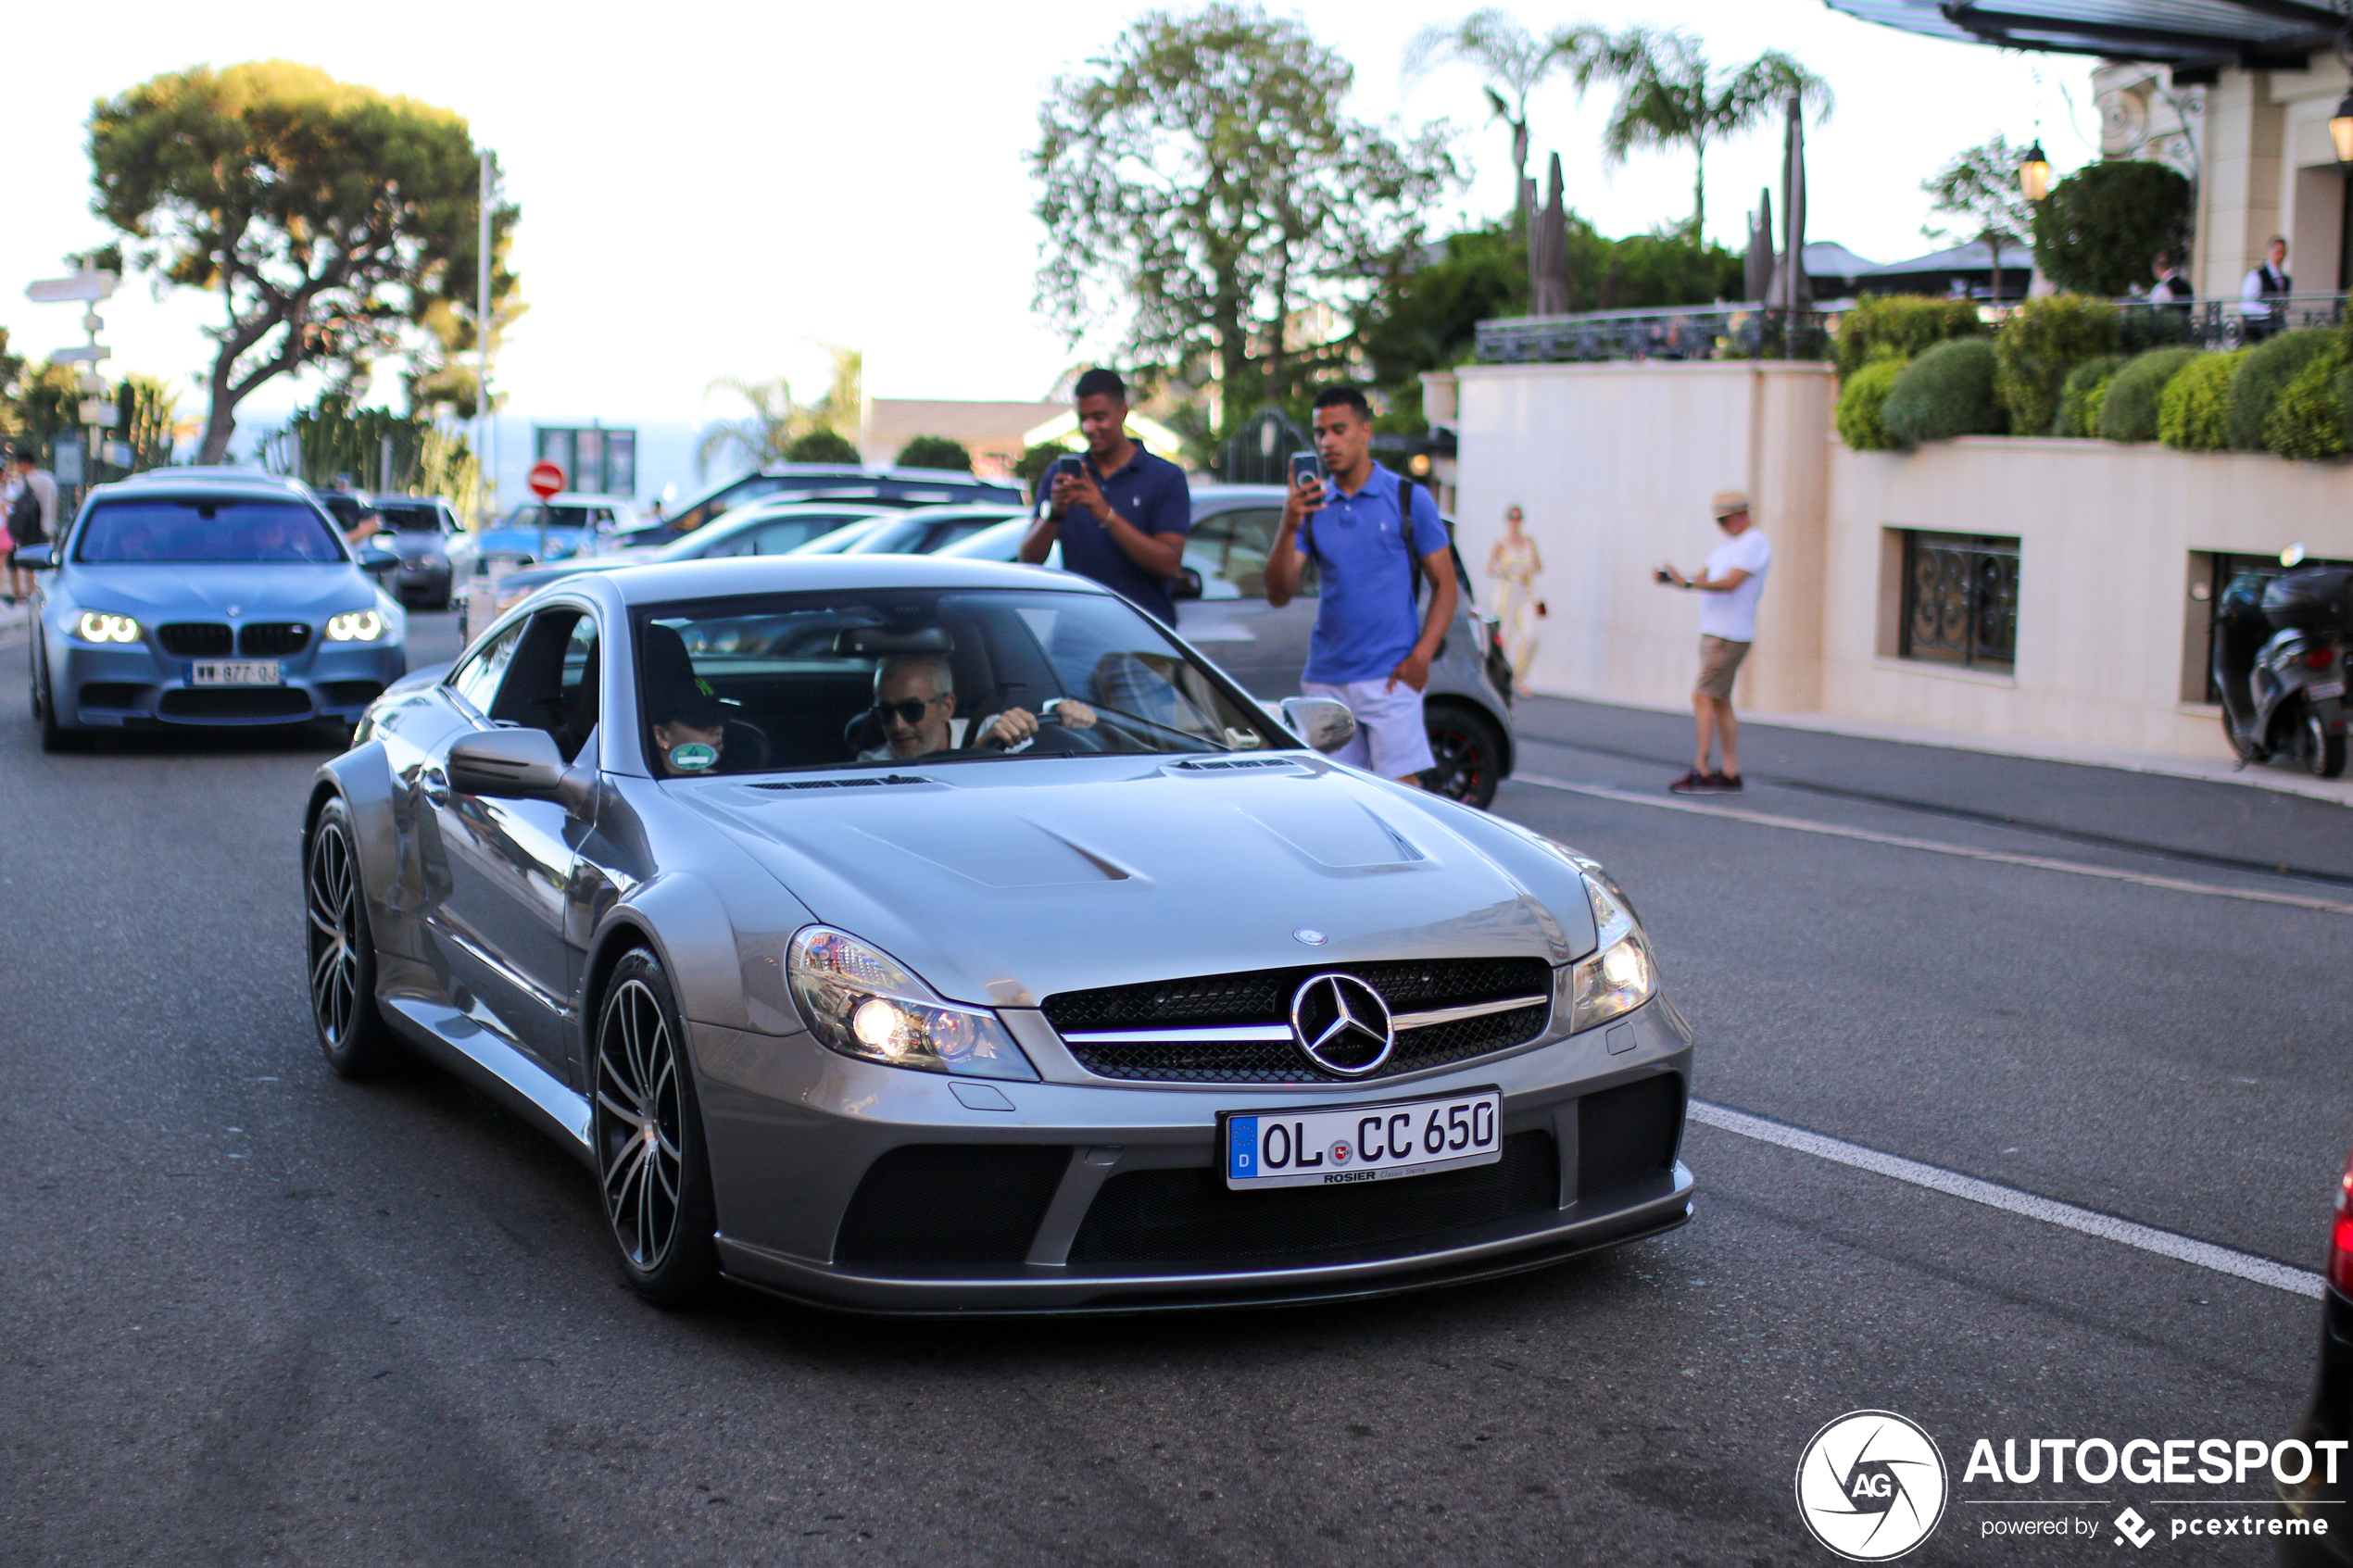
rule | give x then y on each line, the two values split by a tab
507	764
1322	722
1186	584
36	557
376	564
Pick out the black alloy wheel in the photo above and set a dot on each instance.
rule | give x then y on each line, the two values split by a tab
648	1140
2324	752
1469	755
352	1034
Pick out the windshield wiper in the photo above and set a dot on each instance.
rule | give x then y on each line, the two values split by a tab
1166	729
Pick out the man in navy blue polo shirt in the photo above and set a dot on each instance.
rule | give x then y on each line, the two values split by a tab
1373	535
1123	516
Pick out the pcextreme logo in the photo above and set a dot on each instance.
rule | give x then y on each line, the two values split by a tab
1870	1486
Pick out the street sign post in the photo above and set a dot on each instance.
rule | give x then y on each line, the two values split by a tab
547	481
82	285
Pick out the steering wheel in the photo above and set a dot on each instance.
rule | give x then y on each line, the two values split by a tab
749	748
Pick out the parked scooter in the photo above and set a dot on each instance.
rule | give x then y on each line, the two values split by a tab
2280	642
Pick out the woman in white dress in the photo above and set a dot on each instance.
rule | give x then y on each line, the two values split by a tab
1514	563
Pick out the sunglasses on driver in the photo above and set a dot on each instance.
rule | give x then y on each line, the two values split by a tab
910	711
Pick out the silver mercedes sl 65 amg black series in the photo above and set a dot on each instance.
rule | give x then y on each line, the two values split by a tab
915	935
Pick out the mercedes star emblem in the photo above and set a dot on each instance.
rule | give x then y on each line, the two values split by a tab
1310	936
1342	1025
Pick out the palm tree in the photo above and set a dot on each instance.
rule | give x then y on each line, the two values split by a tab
1671	97
777	421
1514	62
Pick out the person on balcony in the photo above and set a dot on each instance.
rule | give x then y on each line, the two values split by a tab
2264	294
2171	287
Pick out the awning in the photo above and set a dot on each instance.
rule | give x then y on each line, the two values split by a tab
2182	33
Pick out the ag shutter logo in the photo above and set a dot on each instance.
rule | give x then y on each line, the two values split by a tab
1870	1486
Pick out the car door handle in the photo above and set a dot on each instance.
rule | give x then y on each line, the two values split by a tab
436	785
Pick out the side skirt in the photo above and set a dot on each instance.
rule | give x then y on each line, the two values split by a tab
486	1059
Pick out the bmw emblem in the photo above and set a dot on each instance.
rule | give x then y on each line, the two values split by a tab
1342	1025
1310	936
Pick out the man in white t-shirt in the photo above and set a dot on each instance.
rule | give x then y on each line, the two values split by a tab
1734	581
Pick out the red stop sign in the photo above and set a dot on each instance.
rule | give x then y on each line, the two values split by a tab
546	478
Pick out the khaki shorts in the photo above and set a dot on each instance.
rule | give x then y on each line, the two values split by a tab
1720	661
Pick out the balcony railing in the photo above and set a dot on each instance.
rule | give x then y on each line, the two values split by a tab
1752	331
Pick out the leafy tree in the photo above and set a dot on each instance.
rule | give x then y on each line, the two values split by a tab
1978	186
11	366
1669	96
1515	63
331	217
1200	181
144	408
47	405
2098	230
821	446
332	438
935	451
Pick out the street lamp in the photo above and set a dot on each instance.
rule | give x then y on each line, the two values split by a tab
2341	129
2034	172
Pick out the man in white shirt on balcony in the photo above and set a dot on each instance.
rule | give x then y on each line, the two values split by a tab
2264	293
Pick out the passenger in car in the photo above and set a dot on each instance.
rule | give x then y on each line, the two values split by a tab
915	707
690	731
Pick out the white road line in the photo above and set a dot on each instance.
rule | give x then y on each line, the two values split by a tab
2147	1238
1934	847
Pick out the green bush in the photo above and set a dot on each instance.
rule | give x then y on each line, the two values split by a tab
2341	387
2271	365
2307	420
2099	228
1946	392
2082	393
2192	414
2043	340
1859	402
821	446
2129	410
1901	326
935	451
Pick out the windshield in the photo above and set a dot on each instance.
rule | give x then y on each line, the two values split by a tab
528	516
202	529
883	677
412	520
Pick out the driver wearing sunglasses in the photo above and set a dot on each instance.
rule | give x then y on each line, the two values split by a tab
915	704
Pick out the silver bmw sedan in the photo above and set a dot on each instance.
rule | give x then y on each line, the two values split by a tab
917	935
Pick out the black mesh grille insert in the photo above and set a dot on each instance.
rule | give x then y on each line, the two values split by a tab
1264	997
1190	1217
196	639
269	639
1627	1132
951	1203
234	702
348	693
113	694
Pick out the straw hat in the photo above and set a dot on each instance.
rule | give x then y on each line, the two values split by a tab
1726	502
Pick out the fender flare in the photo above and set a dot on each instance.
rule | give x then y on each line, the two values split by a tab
682	918
362	779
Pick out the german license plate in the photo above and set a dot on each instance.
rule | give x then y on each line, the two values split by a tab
235	673
2320	689
1332	1147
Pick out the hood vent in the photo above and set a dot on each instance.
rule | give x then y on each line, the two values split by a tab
846	783
1227	765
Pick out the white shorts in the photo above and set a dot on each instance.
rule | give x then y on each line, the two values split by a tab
1391	738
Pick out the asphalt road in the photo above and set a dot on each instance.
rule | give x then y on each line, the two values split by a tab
258	1315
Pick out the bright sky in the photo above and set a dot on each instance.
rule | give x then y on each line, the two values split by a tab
710	188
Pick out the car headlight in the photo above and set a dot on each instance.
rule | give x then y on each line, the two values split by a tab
360	626
93	627
1621	974
863	1003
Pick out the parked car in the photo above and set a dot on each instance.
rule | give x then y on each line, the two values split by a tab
206	600
1222	607
566	525
418	531
1145	1005
929	528
841	538
831	481
764	527
2330	1417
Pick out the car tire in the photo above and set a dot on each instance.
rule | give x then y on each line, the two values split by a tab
2324	752
54	738
1468	751
652	1170
342	950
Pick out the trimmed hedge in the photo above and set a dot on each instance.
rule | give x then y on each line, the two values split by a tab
1901	326
823	445
2082	393
1946	392
1859	402
2192	414
2129	411
2307	418
2269	366
935	451
2043	340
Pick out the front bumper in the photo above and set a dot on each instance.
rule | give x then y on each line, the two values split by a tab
2331	1416
799	1135
139	686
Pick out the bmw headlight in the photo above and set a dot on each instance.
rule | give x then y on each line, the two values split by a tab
360	626
863	1003
93	627
1621	974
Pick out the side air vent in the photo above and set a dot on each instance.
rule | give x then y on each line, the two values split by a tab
845	783
1228	764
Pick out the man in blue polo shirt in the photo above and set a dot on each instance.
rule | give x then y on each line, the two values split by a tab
1373	536
1123	516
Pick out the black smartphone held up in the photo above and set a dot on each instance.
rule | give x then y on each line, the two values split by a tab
1062	466
1306	465
1660	574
